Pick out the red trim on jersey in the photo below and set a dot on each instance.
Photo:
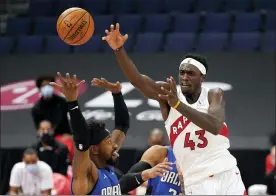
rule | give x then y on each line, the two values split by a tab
179	124
244	193
224	131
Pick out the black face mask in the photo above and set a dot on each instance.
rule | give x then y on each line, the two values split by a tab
46	138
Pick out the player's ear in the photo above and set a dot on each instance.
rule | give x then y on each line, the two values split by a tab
94	149
202	78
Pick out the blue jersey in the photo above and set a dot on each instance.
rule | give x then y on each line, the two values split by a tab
107	183
168	184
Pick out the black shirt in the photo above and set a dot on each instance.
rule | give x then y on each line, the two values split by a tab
56	156
54	110
270	182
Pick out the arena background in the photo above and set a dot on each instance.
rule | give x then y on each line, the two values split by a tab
248	79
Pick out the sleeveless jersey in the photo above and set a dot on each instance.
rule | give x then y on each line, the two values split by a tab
168	184
200	154
107	183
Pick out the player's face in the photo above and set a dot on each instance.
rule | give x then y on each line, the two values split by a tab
30	159
190	79
108	150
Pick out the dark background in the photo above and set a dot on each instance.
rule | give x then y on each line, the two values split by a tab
250	105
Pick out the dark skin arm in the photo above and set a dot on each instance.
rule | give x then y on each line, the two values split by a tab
14	190
212	121
143	83
46	192
85	172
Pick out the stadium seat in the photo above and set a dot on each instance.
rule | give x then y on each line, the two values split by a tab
244	42
238	5
41	8
6	45
128	45
217	22
62	5
179	6
213	42
269	42
209	5
157	23
130	23
89	5
45	26
18	26
55	45
121	6
29	44
186	22
151	6
247	22
179	42
93	45
149	42
103	22
270	24
265	4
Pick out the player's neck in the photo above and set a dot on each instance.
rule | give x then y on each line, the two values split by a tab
99	163
192	98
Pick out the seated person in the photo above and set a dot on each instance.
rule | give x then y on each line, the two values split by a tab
51	151
31	176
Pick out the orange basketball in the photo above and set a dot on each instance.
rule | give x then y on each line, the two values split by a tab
75	26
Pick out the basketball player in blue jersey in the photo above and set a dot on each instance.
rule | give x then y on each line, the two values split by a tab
151	169
95	147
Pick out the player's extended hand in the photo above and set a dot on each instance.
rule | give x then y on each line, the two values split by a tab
114	38
170	95
159	170
69	86
103	83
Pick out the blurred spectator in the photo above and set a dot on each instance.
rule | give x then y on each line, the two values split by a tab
53	108
51	151
156	137
270	179
31	176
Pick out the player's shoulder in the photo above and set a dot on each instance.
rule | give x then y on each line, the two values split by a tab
157	153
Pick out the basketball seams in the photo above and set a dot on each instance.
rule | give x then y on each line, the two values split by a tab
74	25
84	33
66	16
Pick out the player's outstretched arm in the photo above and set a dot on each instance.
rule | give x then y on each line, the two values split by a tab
143	83
120	110
211	121
85	173
152	164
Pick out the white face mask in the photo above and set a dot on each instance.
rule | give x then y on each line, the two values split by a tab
32	168
47	91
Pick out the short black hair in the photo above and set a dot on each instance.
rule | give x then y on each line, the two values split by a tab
40	79
199	58
95	128
156	129
29	151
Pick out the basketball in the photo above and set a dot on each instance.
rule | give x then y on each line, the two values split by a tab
75	26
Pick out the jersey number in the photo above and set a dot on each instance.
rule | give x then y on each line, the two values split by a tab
174	192
191	144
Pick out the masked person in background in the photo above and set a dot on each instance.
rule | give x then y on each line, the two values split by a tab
51	151
31	176
53	108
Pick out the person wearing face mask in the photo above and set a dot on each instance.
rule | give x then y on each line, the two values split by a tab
53	108
51	151
31	176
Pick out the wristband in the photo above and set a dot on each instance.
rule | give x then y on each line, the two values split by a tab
176	105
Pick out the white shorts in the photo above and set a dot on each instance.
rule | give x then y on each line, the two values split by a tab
224	183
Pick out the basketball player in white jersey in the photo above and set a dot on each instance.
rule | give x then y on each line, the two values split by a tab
194	119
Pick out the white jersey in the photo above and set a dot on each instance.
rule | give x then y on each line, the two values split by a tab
200	154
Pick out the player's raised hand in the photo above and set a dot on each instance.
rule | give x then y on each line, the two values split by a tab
170	95
103	83
159	170
114	38
69	86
